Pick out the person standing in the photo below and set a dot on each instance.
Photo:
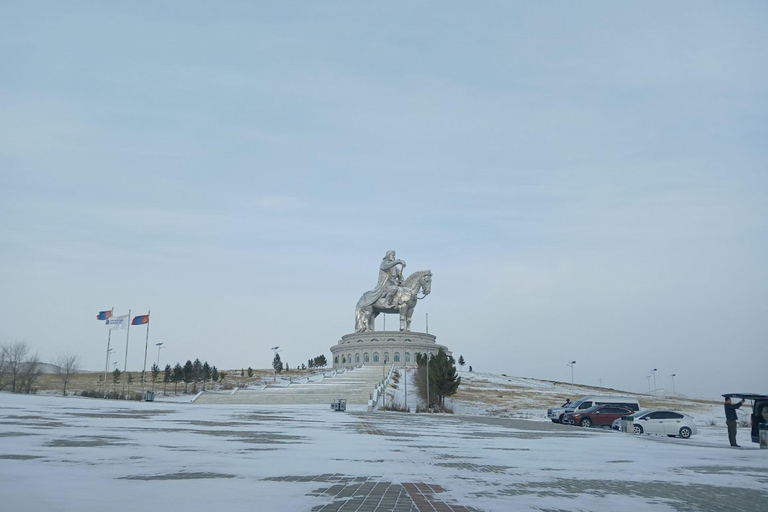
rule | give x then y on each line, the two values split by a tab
731	418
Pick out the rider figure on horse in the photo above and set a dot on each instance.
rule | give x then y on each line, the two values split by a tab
390	277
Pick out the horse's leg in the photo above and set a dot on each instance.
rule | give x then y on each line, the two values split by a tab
364	319
408	316
372	323
403	314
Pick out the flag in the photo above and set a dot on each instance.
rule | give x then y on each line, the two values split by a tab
104	315
118	322
140	320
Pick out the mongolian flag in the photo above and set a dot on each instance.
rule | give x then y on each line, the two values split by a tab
104	315
140	320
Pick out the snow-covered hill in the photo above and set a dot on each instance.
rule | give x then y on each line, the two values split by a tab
487	394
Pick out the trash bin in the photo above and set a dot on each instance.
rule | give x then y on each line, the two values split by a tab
762	430
149	396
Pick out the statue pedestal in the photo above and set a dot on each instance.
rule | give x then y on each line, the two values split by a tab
383	347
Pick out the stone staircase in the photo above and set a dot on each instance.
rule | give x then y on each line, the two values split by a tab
354	385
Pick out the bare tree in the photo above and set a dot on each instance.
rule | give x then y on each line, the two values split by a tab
14	366
31	369
65	366
4	368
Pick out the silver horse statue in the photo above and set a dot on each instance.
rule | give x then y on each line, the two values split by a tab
373	303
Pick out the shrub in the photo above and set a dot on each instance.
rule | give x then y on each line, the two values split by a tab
396	407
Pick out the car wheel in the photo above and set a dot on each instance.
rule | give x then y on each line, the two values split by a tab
685	432
586	422
561	418
638	429
555	421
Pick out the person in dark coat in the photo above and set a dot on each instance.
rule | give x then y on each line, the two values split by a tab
730	420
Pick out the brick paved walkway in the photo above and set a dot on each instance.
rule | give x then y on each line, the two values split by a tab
370	494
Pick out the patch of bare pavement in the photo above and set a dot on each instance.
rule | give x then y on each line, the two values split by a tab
312	459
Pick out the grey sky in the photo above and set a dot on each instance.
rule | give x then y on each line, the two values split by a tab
586	180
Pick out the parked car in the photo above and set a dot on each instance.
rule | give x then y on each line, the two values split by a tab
597	415
661	422
759	411
557	414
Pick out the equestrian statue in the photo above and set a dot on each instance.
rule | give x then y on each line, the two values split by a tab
392	294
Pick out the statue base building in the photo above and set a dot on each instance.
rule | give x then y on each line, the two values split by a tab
383	348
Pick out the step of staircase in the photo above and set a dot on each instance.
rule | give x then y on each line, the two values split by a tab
354	385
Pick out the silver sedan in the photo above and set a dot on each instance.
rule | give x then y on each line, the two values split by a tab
662	422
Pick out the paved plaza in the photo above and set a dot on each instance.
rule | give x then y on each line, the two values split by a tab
88	455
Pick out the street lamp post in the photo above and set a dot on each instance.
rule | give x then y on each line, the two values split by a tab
571	363
648	378
600	381
405	382
427	381
673	381
159	346
653	372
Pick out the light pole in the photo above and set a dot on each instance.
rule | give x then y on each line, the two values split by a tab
159	346
571	363
673	381
427	381
405	381
600	381
648	378
653	372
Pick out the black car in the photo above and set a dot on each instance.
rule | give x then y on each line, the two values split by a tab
759	411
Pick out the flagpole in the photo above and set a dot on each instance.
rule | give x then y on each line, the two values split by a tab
106	360
106	363
125	362
146	346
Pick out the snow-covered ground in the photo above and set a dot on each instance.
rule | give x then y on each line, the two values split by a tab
86	454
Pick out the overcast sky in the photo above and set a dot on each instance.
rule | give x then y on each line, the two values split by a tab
586	180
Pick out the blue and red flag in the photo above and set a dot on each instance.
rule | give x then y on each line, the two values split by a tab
104	315
140	320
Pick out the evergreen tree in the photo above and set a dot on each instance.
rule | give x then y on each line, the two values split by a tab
130	378
446	381
277	364
222	376
214	375
187	374
197	374
155	373
470	368
242	373
442	377
167	374
461	362
115	379
206	373
177	376
250	372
